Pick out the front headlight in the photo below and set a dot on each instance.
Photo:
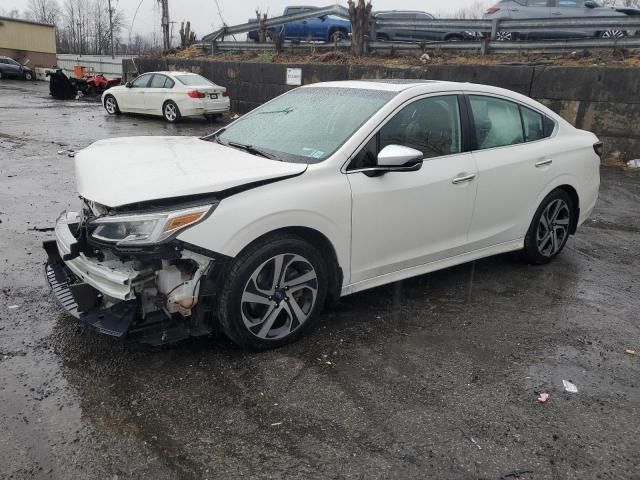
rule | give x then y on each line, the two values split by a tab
147	228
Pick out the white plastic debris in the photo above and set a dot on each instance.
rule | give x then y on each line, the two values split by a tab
425	58
276	424
569	387
12	307
634	163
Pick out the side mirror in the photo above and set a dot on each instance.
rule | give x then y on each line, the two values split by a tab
128	84
397	158
590	4
323	18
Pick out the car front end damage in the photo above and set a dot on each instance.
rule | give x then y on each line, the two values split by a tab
125	274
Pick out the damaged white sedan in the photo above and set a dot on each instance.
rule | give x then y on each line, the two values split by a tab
325	191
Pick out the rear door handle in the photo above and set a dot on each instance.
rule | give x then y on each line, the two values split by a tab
544	163
463	178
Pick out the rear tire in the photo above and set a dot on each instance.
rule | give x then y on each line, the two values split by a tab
550	228
337	36
0	75
170	112
111	105
272	293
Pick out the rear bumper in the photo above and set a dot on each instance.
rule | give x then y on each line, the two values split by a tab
203	108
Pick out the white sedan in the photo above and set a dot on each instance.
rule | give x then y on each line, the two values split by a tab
328	190
172	95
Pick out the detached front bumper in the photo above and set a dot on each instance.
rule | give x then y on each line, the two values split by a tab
119	297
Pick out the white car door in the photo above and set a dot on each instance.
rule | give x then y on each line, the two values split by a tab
156	92
133	96
406	219
515	162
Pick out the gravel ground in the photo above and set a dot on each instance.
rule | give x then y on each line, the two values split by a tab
434	377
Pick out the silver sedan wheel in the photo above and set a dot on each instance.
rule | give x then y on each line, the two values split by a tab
553	228
170	112
279	296
503	36
110	106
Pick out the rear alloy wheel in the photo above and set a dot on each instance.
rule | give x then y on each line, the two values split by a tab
273	293
111	105
503	36
170	112
550	228
615	34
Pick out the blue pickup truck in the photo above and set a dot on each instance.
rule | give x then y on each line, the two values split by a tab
326	28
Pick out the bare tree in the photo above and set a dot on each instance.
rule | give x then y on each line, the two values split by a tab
13	13
360	16
44	11
84	27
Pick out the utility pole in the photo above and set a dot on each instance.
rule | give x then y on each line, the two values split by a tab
111	28
164	23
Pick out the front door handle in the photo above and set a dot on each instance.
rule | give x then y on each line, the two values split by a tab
463	178
544	163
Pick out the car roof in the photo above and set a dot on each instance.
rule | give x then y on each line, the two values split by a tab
166	72
390	85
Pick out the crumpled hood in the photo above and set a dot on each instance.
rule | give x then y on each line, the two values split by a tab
127	170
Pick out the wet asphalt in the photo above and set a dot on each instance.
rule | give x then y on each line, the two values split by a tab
434	377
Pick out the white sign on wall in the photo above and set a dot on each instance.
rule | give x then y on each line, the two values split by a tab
294	76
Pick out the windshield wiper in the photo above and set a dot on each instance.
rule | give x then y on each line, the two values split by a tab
248	148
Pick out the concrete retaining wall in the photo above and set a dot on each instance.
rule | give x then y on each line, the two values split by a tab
605	100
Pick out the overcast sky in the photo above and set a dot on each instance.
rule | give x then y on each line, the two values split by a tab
204	17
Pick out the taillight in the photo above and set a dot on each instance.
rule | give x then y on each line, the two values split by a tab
225	94
491	10
598	147
196	94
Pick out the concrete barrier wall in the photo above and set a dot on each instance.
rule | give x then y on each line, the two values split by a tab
605	100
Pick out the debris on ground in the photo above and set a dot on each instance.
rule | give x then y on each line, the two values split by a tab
276	424
631	353
634	163
42	229
515	474
543	397
569	387
470	438
425	58
12	307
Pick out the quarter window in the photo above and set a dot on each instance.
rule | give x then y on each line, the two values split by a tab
532	124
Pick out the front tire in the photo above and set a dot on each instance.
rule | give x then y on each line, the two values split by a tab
111	105
273	293
550	228
171	112
28	76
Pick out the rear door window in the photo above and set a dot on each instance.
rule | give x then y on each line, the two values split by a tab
497	122
157	81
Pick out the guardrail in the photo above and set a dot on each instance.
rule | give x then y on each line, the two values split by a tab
486	29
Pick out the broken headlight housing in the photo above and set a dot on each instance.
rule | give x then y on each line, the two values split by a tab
146	228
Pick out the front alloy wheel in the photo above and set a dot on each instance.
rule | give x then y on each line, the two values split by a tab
279	296
272	292
111	106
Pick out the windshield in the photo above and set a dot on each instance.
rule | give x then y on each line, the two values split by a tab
306	125
193	80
